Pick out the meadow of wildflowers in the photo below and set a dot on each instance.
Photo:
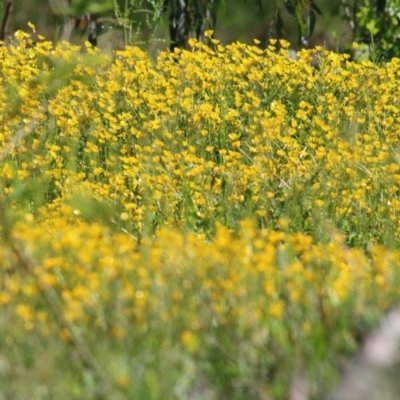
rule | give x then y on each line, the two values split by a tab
211	223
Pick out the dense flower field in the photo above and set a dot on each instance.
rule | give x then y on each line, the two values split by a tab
210	223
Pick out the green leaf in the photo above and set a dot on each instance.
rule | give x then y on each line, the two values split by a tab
81	7
25	191
372	27
289	7
315	8
300	21
91	209
279	24
311	23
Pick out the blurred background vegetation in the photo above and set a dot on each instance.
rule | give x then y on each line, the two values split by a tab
236	21
333	24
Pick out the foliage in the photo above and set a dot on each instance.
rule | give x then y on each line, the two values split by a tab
374	24
76	8
377	23
303	12
135	17
197	16
206	225
190	15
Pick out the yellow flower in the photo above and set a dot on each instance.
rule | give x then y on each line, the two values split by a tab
4	298
32	26
283	223
190	341
192	42
123	381
284	43
276	309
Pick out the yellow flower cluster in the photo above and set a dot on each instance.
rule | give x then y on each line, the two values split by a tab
224	187
251	281
212	134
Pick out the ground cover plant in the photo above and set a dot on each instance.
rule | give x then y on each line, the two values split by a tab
211	224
